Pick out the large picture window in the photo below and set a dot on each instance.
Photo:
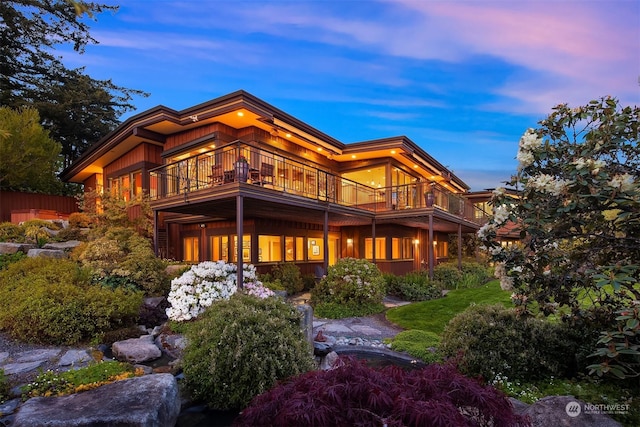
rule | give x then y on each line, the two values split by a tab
380	248
269	248
401	248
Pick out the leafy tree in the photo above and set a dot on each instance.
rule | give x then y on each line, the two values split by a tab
30	158
75	107
579	215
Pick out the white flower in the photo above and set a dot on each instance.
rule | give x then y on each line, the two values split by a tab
530	140
624	182
548	184
497	192
501	214
525	158
206	283
486	229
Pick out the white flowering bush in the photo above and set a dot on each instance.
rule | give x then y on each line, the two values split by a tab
579	213
207	282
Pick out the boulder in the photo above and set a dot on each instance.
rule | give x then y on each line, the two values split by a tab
171	344
7	248
566	411
136	350
47	253
151	400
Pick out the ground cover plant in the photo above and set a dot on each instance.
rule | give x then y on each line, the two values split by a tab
421	344
352	287
52	301
4	386
242	346
354	394
50	383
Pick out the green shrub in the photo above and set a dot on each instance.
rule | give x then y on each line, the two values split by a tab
50	301
124	258
70	233
241	347
79	220
492	340
420	344
351	282
288	274
414	286
4	387
308	282
10	232
7	259
447	275
472	274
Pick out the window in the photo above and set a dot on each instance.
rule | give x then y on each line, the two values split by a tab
269	248
219	248
401	248
294	248
190	249
126	186
381	252
246	248
482	210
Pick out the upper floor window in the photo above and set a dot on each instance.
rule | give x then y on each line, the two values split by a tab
127	186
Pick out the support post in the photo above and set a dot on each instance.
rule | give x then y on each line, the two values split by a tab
325	229
430	248
460	247
373	238
155	232
239	233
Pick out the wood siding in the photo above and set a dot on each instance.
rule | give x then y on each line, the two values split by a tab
47	204
141	155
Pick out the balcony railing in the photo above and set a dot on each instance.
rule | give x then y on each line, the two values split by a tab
239	162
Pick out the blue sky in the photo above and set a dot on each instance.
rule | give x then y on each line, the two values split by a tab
462	79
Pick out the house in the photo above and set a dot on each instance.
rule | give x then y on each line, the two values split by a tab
238	166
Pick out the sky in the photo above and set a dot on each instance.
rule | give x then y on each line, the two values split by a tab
462	79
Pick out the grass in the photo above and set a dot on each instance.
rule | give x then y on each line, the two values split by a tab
434	315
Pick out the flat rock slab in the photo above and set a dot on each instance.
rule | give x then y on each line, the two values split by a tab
3	356
336	328
151	400
20	368
34	355
75	357
365	330
46	253
63	246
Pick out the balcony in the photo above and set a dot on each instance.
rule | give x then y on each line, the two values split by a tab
240	164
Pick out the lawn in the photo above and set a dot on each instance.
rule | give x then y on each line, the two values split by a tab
434	315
